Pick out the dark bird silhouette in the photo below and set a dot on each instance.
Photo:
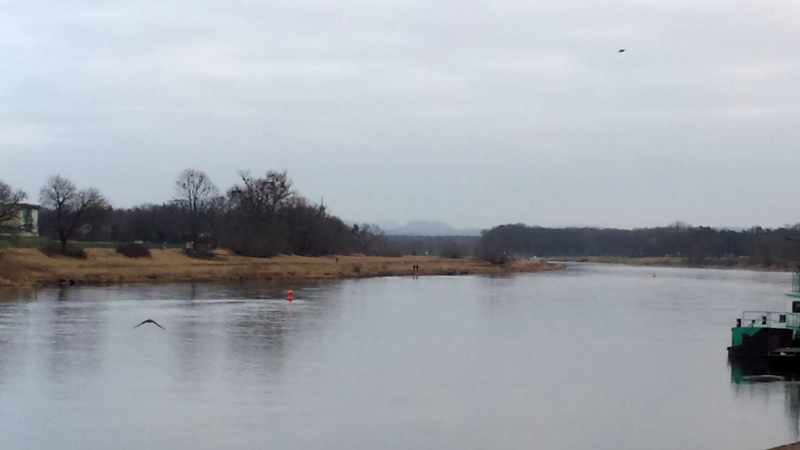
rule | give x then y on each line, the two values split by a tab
621	50
150	321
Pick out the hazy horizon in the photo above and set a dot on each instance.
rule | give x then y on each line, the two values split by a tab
473	114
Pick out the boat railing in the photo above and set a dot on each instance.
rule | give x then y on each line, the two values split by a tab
773	319
796	282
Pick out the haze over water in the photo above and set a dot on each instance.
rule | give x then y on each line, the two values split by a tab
599	357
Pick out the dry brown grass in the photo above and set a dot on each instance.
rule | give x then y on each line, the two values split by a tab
650	261
795	446
27	267
675	261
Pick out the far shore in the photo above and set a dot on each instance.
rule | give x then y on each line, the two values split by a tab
674	261
795	446
29	268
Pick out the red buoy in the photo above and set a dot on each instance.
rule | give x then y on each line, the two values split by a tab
290	297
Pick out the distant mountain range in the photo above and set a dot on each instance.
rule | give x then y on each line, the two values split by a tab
422	228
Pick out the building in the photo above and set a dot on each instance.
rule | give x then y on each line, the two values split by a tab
26	220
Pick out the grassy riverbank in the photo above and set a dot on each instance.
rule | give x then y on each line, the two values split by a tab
674	261
664	261
795	446
31	268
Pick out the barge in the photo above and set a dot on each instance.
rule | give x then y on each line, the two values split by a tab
773	336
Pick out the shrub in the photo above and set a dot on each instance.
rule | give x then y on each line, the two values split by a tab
134	250
451	249
72	251
199	254
495	257
199	251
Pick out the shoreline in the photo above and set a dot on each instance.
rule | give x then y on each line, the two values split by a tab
29	268
670	261
793	446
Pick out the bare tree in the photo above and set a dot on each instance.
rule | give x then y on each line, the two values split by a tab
70	209
256	214
194	193
10	201
370	239
262	197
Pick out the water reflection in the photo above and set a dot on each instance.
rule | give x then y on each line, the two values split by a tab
255	340
14	320
753	370
757	378
595	355
193	347
14	295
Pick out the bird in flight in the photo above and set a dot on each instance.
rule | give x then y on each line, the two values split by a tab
621	50
150	321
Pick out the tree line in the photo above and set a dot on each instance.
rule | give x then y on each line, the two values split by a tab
265	216
259	216
696	245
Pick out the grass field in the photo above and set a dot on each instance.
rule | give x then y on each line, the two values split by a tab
23	242
39	243
673	261
21	267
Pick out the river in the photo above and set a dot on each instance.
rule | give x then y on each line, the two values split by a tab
592	357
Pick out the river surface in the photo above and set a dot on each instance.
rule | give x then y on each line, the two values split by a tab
593	357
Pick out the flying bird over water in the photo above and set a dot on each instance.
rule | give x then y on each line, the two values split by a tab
150	321
621	50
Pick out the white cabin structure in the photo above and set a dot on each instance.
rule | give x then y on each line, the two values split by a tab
26	220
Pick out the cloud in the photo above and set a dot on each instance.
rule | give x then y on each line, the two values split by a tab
473	113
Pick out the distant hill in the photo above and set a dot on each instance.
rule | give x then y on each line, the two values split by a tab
421	228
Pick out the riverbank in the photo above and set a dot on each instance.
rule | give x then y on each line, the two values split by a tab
795	446
31	268
674	261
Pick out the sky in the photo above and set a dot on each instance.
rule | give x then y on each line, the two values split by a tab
472	113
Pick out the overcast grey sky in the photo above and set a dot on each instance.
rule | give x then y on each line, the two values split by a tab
473	113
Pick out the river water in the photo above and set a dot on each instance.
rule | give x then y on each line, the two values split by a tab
593	357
